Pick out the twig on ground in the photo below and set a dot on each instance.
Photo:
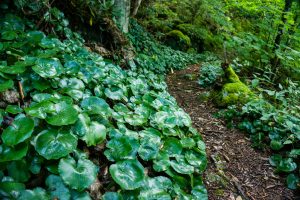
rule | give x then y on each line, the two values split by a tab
21	92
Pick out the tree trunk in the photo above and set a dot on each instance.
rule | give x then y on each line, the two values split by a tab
136	6
121	12
275	62
287	7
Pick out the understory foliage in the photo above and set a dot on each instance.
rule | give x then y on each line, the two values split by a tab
270	117
262	45
76	115
157	57
273	121
262	33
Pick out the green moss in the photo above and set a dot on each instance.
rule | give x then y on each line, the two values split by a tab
177	40
233	91
231	75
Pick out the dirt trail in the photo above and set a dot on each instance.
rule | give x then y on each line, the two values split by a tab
235	171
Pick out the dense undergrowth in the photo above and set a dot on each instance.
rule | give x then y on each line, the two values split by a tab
77	119
271	118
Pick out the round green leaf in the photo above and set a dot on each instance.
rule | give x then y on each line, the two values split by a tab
6	84
9	188
57	188
80	195
158	183
63	114
188	143
164	119
95	105
13	109
55	144
275	159
48	68
293	181
35	194
149	148
35	36
276	145
95	135
20	130
182	167
200	192
114	93
287	165
40	109
112	196
18	170
9	35
136	119
196	159
13	153
17	68
129	174
154	195
71	67
172	147
122	148
79	175
50	43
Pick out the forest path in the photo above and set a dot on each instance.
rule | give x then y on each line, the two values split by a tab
235	170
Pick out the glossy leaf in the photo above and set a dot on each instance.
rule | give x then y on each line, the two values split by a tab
172	146
18	170
95	105
129	174
114	93
197	159
13	109
78	174
57	188
35	194
62	114
16	152
6	84
55	144
93	133
48	68
120	148
20	130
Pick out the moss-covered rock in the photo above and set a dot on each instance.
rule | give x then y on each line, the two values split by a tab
177	40
233	91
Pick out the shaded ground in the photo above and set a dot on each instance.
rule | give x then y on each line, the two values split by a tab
235	171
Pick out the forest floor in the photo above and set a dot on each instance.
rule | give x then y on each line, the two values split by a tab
235	170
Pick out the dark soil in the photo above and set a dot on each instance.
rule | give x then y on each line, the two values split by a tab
235	170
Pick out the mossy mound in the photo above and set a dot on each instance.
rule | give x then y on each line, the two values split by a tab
177	40
233	91
231	76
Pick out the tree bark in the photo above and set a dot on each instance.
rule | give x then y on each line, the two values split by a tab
287	7
136	6
275	62
121	12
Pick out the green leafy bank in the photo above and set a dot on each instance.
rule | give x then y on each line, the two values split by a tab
270	116
75	114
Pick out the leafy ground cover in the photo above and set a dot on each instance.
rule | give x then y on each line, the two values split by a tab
157	57
78	119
